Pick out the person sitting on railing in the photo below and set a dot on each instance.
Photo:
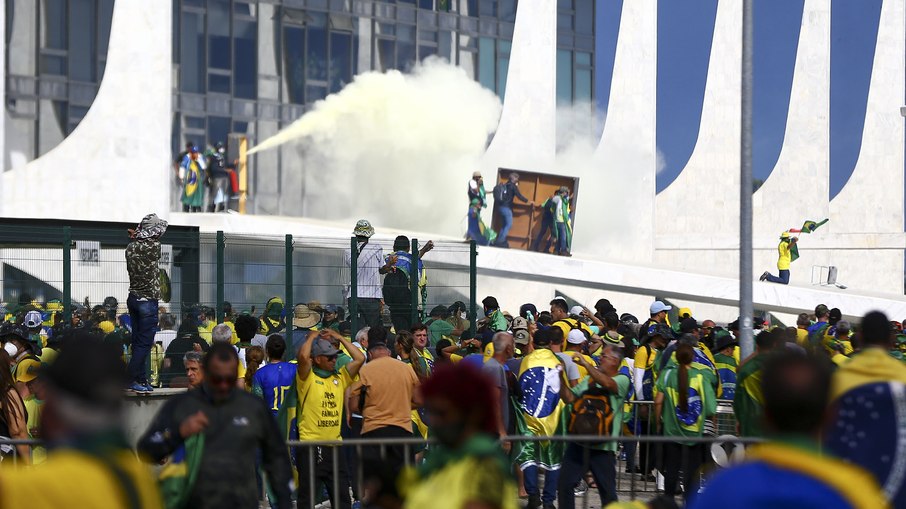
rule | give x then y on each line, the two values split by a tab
792	471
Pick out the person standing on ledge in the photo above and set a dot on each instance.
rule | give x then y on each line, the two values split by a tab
504	195
142	257
784	250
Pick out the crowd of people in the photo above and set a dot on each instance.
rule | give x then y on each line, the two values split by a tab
541	403
206	179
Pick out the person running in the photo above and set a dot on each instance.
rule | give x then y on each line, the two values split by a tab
784	259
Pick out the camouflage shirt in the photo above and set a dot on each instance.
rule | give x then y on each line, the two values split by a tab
141	261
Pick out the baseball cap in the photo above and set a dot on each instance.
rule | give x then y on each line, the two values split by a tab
519	323
323	347
723	340
576	310
33	319
688	325
27	370
660	330
628	318
576	337
476	174
658	306
521	337
684	313
330	308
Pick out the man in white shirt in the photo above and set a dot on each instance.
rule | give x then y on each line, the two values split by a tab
370	265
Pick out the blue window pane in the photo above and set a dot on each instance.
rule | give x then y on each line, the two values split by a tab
219	83
105	19
486	63
583	58
585	17
315	93
294	63
583	85
219	54
405	33
426	51
507	10
55	31
191	53
426	4
488	8
405	55
565	21
445	45
564	77
245	66
340	60
386	54
218	129
55	65
471	7
503	65
316	55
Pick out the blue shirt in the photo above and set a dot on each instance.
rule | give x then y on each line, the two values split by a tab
274	381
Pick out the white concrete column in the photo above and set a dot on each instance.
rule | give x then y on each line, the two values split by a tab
526	135
704	198
115	166
619	215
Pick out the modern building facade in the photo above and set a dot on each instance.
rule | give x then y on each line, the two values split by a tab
253	66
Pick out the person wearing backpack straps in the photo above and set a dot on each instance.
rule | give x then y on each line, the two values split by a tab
595	408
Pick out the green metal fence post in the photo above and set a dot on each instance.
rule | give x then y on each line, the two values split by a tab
289	280
221	246
413	282
67	274
473	283
354	284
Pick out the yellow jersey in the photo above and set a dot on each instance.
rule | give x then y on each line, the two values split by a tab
321	404
785	258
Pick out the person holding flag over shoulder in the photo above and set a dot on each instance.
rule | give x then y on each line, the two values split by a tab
784	259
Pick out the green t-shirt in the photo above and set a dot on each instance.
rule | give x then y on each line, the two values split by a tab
616	403
748	401
701	403
438	329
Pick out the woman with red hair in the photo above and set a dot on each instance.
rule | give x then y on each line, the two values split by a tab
468	466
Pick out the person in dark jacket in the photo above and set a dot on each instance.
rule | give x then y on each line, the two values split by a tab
504	194
235	425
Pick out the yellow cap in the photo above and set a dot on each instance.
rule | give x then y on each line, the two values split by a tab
488	351
785	235
27	370
684	313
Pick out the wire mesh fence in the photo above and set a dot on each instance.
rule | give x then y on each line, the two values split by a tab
76	274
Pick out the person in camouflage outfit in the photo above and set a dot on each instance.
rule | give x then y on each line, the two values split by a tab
142	256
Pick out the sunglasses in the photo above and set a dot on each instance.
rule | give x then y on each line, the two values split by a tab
331	358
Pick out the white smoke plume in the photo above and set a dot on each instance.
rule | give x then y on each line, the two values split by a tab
394	148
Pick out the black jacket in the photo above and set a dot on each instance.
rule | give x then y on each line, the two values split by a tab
237	428
510	193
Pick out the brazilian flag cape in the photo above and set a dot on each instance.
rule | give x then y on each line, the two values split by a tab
178	476
564	204
540	409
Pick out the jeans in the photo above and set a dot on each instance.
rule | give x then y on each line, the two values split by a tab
143	314
562	248
687	458
784	278
576	461
506	214
475	233
549	494
547	226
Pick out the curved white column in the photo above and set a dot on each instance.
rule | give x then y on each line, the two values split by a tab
797	188
115	166
625	161
527	133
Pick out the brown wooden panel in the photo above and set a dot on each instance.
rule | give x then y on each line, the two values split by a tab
537	187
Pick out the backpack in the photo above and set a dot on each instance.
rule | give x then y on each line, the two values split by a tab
396	288
592	414
502	193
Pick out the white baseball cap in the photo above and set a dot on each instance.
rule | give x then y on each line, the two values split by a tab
576	310
576	337
658	306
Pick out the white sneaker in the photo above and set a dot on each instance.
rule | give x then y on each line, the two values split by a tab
660	481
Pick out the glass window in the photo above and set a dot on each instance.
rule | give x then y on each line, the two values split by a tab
471	8
583	58
219	54
194	122
506	9
426	51
386	54
105	20
316	53
219	83
405	33
564	76
245	65
583	85
445	45
486	63
218	129
427	35
426	4
191	53
315	93
564	21
51	64
503	64
487	8
585	17
565	5
294	63
405	55
55	26
340	60
82	52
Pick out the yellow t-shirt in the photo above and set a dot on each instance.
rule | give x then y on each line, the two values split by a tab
785	258
205	331
321	401
74	479
582	371
802	337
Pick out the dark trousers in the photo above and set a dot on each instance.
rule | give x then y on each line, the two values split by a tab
369	312
401	316
562	248
784	278
549	492
547	225
381	465
143	314
323	473
687	458
576	461
354	430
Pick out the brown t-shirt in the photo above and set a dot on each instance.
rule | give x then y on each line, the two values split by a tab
388	400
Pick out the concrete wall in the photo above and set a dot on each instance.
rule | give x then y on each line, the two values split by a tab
115	165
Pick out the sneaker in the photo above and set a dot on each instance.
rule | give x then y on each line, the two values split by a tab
660	482
137	388
764	277
534	502
148	387
580	489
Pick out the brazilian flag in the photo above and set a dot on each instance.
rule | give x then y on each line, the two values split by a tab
808	226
